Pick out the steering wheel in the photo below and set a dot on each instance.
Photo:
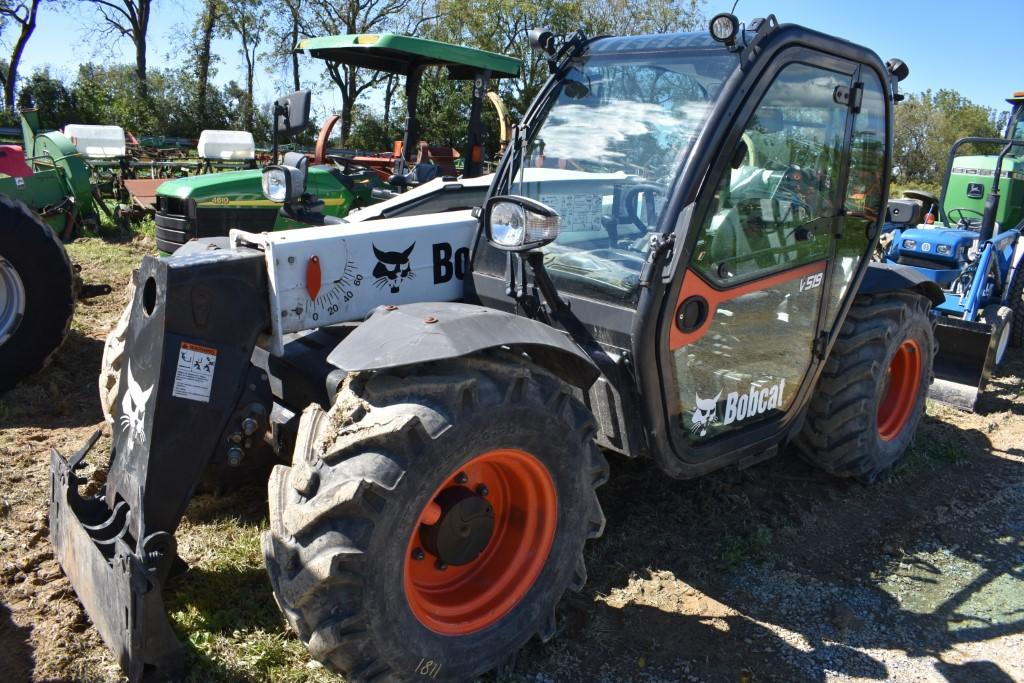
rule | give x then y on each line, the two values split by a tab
629	201
964	221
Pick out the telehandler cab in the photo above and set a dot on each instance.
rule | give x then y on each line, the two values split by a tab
673	262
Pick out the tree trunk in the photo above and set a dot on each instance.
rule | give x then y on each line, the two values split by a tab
249	118
348	100
11	80
209	20
295	41
139	37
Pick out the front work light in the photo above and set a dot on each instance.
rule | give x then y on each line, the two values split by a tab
519	224
282	184
724	28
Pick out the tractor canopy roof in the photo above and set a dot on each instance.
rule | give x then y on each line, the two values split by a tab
394	53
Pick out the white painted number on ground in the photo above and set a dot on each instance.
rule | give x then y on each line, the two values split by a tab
193	377
811	281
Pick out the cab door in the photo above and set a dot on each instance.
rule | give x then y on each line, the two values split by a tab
749	310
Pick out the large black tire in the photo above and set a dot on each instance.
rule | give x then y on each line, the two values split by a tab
37	267
843	432
1015	301
343	515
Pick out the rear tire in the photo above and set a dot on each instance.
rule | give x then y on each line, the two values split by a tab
37	297
345	549
871	394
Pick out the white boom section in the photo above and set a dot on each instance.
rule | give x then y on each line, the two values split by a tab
338	273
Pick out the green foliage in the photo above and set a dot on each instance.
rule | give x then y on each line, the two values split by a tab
108	95
927	125
370	132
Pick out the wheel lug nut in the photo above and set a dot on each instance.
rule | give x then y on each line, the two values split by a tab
482	490
461	478
440	566
417	554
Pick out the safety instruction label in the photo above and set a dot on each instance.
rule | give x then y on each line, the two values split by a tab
193	378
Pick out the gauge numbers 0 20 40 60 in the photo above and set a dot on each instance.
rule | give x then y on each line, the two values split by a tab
336	293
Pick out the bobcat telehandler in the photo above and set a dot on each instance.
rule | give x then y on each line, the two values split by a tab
672	262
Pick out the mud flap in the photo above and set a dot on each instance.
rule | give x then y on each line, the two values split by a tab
967	354
119	585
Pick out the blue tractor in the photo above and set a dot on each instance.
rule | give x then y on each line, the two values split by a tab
968	242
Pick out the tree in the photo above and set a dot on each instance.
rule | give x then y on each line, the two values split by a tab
50	96
248	19
329	17
286	28
23	14
203	34
129	19
927	125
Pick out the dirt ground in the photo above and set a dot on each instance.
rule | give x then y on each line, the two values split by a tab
777	573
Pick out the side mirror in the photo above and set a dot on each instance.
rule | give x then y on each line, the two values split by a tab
514	223
286	182
291	113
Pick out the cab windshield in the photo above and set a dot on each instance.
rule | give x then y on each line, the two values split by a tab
614	136
1016	126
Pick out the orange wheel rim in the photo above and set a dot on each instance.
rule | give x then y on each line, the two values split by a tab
468	597
899	394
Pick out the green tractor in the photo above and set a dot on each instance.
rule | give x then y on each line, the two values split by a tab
209	205
45	196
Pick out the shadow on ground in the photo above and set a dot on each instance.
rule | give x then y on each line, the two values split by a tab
53	399
782	573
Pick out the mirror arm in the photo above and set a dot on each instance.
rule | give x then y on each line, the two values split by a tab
543	280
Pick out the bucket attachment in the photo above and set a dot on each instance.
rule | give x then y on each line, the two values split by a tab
187	384
968	352
118	583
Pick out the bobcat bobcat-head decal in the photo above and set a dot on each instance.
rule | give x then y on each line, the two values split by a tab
705	414
392	268
133	410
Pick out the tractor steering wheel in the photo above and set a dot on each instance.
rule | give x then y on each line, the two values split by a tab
650	190
964	222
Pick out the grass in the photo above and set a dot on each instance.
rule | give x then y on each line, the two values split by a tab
224	611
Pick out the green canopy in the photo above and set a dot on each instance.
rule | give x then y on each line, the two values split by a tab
399	54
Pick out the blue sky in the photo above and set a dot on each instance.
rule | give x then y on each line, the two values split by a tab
973	48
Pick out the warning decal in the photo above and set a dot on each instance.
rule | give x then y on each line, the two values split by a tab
194	377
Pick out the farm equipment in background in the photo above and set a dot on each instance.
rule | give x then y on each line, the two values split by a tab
973	252
129	169
437	387
45	197
209	206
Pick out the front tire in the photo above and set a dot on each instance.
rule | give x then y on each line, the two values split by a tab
37	297
871	394
376	551
1015	301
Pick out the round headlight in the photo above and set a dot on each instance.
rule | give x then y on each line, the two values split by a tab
508	224
275	185
724	27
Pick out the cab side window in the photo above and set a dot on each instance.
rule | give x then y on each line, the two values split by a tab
773	207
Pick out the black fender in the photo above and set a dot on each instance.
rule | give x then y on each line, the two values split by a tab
894	277
394	336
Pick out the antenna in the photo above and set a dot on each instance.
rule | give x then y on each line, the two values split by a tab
733	10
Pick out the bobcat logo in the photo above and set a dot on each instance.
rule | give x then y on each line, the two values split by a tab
392	268
705	414
133	410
